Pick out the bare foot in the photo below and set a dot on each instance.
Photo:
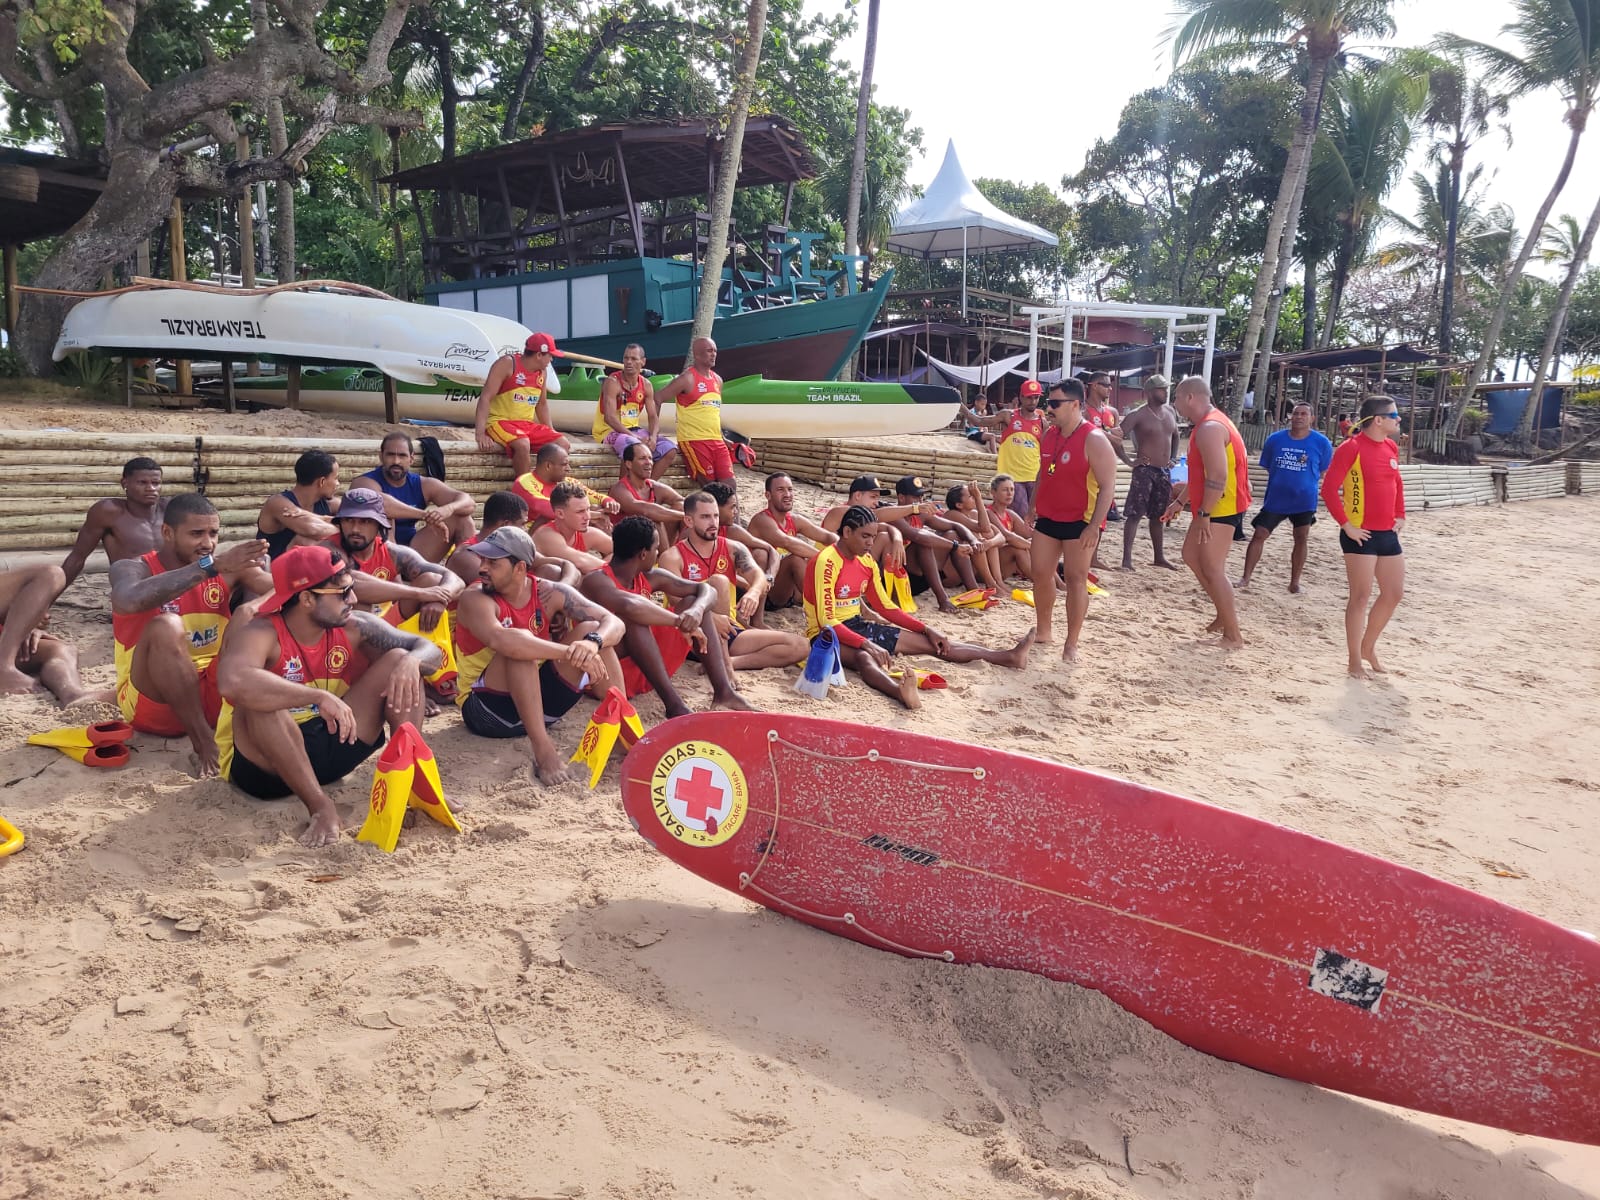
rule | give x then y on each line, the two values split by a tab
1069	653
1126	566
675	707
908	689
733	701
1222	643
1372	660
1161	562
206	752
15	682
1242	584
323	830
1294	589
1214	627
1043	635
1017	657
946	607
88	696
1356	671
549	768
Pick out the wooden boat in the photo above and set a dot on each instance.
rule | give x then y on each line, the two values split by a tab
753	406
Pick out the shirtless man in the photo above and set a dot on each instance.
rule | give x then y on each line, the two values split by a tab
641	494
126	528
302	514
627	402
567	535
513	413
705	555
308	685
840	579
428	514
170	611
394	582
550	468
519	676
698	395
499	510
657	640
27	652
1154	430
794	537
1218	493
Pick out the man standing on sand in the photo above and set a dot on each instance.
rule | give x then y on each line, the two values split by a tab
428	514
126	528
309	685
26	650
698	394
1021	429
656	640
513	412
170	611
1077	481
627	402
1295	459
1218	492
519	676
1154	430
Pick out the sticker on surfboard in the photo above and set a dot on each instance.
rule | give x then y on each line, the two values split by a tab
699	793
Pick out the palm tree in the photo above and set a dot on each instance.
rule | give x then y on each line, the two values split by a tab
1560	246
744	86
1464	109
1363	153
1561	51
1579	256
858	160
1317	30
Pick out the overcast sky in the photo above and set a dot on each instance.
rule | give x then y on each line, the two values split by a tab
1025	87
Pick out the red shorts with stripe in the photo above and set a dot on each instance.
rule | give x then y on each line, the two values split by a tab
674	652
535	434
707	460
150	716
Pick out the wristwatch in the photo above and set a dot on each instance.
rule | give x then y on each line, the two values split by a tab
208	566
1206	515
599	642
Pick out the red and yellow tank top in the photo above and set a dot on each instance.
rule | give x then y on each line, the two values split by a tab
1067	488
698	568
630	408
1362	486
639	587
379	564
1236	490
473	657
785	524
331	664
1019	447
204	609
700	411
535	493
519	396
649	496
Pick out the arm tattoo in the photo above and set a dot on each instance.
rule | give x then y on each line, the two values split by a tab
573	604
742	559
378	637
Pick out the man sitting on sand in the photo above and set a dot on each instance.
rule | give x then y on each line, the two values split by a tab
550	468
170	610
794	537
657	640
936	547
302	514
309	684
27	652
429	515
567	534
395	582
499	510
517	675
628	414
840	578
889	549
640	494
705	555
513	413
126	528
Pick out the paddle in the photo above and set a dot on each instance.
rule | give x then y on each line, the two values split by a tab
587	358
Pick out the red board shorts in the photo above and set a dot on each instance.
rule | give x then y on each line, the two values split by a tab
674	652
149	716
535	434
707	460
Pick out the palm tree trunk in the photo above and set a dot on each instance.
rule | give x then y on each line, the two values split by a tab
1308	331
1342	259
1558	321
744	86
1508	285
858	162
1298	166
1452	229
1293	169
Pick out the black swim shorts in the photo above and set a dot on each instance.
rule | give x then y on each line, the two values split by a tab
330	759
1271	520
1384	543
494	714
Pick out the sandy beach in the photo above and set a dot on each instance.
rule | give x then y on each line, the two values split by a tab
193	1005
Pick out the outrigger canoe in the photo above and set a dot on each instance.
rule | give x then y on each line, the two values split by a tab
752	405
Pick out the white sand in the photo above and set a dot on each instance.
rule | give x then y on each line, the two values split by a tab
544	1008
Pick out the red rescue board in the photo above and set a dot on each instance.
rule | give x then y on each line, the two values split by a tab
1238	937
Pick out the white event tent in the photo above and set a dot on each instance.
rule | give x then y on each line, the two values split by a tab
953	217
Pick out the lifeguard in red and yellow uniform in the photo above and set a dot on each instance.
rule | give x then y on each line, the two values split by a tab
513	412
698	394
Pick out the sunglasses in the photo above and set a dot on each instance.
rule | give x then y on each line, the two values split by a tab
348	589
1393	416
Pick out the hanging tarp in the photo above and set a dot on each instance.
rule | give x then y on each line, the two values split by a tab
979	376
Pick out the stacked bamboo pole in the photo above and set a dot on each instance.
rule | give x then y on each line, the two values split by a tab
1536	483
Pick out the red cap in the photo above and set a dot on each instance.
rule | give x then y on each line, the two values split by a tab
1032	387
297	569
541	343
